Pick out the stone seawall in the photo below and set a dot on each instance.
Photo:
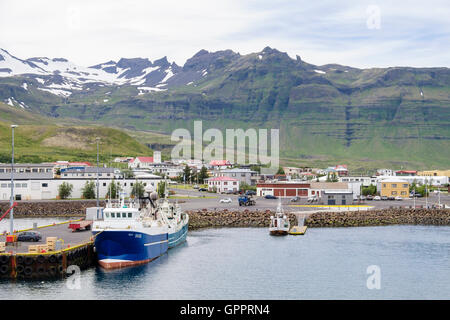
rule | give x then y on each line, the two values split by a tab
255	218
30	209
205	218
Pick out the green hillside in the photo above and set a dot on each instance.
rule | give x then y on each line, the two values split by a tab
40	139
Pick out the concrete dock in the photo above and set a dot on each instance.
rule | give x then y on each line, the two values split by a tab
17	262
60	230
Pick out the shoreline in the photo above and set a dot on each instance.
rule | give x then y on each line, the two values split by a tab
206	218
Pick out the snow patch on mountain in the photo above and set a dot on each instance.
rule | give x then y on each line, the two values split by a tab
58	92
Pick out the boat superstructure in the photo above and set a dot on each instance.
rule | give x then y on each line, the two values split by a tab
176	219
279	223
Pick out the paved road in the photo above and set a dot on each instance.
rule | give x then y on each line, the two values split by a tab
264	204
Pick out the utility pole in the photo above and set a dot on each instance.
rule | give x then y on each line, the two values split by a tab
11	217
439	197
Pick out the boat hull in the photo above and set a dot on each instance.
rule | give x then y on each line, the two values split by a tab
278	232
124	248
178	237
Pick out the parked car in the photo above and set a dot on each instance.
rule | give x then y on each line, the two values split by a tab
362	198
269	196
369	197
250	193
391	198
225	200
384	198
29	236
398	198
295	199
312	199
417	195
378	198
195	186
202	189
231	192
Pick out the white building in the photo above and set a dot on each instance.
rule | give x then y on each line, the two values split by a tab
41	186
366	181
421	180
385	172
223	184
140	163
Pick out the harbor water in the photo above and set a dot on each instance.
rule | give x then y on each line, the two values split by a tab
413	262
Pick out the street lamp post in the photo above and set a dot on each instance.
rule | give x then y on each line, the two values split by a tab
98	183
11	219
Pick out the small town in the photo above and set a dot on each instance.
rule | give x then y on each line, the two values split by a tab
333	185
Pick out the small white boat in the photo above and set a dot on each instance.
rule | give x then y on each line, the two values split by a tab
279	224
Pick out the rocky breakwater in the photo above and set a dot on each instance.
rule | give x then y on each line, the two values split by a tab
205	218
437	217
261	218
63	208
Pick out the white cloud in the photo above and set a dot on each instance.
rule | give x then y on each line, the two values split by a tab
89	32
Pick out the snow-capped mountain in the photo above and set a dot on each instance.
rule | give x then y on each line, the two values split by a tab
62	77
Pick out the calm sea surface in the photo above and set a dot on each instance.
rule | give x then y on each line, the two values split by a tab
247	263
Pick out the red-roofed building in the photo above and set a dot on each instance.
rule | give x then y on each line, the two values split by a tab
223	184
140	162
220	164
406	173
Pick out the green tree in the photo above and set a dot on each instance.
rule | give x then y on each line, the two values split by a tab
88	191
113	189
138	189
162	189
370	190
187	173
65	190
280	170
203	175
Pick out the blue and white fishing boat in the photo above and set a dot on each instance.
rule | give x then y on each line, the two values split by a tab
128	236
177	221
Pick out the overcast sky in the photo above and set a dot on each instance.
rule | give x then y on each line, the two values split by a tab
356	33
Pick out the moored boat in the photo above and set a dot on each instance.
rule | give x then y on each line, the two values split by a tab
128	236
279	224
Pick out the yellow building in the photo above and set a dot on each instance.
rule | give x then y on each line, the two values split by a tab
434	173
394	187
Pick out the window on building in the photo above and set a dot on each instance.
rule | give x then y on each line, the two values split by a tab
113	214
403	193
45	185
384	185
104	184
394	185
405	186
394	193
130	215
124	214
